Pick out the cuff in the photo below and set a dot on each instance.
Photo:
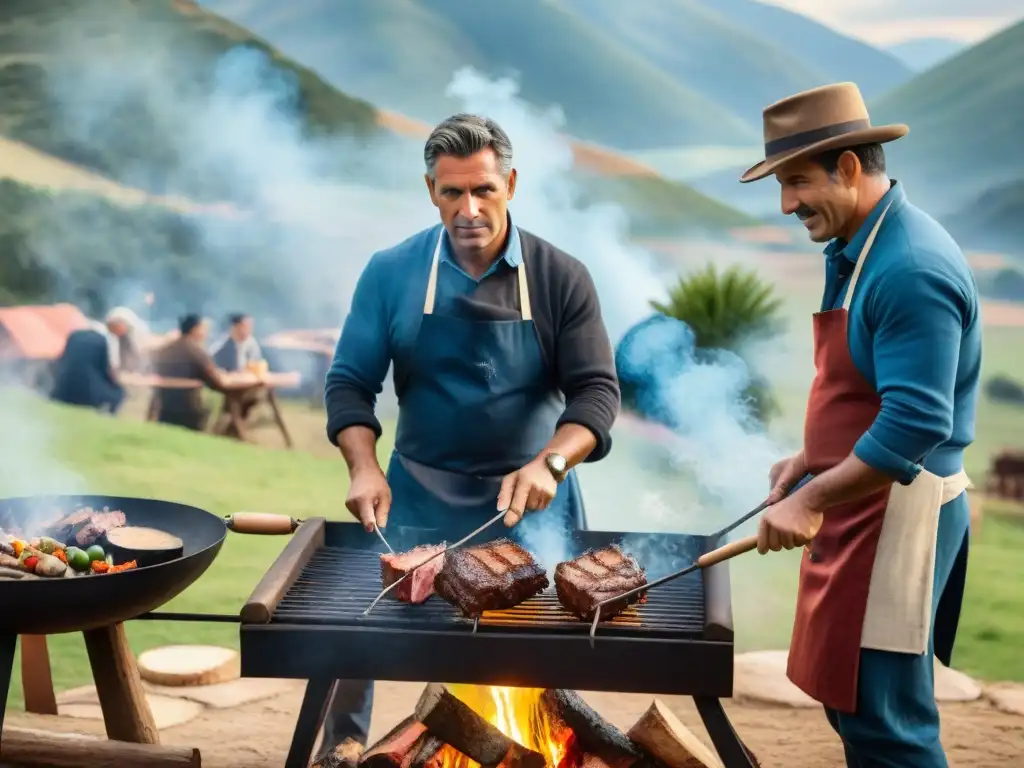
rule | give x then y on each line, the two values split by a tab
336	422
878	457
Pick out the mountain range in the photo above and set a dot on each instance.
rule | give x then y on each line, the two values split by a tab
632	75
923	53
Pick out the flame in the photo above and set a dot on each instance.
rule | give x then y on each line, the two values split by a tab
520	714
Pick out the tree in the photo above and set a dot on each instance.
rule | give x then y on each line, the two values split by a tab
725	310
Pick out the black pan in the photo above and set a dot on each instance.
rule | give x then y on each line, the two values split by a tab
52	606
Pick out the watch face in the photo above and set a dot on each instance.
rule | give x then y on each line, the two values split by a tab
556	462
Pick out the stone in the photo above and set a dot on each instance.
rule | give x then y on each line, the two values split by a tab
761	676
1006	697
951	685
83	704
233	693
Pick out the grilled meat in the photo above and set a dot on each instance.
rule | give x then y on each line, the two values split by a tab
597	575
86	526
420	586
489	577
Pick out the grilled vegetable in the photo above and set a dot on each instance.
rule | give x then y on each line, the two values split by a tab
46	545
99	566
78	559
96	552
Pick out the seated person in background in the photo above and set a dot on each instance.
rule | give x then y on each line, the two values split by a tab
186	358
86	373
239	348
122	329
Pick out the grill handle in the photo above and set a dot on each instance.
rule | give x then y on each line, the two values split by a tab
261	523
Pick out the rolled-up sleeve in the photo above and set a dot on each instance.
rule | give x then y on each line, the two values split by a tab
361	358
918	316
586	365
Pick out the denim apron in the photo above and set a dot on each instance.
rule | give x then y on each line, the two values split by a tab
478	394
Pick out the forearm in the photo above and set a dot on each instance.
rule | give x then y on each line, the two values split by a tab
572	441
358	447
848	481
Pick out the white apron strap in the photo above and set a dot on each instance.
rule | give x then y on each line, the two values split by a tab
524	289
863	257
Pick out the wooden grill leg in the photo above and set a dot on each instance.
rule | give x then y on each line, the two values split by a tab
36	678
126	712
728	745
7	645
311	719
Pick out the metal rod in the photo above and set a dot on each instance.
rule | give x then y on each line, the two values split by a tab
714	537
213	618
381	535
476	624
456	545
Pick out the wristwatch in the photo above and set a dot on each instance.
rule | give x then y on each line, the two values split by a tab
557	465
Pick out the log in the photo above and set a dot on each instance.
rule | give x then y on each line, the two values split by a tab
455	723
187	665
663	736
32	748
126	713
398	747
592	733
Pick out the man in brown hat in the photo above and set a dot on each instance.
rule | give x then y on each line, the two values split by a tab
884	517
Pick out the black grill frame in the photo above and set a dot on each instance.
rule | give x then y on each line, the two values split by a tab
645	650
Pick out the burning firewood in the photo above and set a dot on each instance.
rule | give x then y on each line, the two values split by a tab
455	723
593	735
660	733
407	745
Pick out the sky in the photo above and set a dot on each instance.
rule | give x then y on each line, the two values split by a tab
885	22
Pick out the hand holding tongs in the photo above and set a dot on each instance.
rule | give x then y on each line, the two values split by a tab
706	560
409	573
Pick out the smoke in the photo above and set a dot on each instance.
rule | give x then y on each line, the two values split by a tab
306	213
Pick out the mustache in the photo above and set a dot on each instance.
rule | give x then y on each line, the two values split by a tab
804	212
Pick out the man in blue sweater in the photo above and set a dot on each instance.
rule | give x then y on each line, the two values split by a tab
884	518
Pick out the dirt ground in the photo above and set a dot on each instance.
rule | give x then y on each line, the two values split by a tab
257	735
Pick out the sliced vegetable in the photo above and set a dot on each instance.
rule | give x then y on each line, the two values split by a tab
61	555
99	566
30	563
130	565
48	546
19	546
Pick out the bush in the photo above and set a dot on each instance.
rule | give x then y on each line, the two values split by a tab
1003	389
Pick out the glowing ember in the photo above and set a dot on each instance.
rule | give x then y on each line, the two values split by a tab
520	714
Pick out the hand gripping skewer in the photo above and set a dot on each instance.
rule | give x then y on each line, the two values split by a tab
456	545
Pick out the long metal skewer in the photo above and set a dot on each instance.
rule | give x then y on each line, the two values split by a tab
711	558
381	535
457	544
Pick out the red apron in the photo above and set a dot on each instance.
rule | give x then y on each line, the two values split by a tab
835	573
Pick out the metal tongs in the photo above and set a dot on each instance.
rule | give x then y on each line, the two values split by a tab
706	560
410	572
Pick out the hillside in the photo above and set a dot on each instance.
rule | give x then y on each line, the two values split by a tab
402	54
925	52
965	124
741	54
994	220
66	87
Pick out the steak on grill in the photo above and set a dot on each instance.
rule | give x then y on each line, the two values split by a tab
489	577
597	575
418	587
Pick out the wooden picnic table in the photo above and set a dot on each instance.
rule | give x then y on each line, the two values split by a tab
239	384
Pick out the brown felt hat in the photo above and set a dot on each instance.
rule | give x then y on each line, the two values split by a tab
828	117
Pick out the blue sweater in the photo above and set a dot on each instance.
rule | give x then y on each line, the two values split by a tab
915	335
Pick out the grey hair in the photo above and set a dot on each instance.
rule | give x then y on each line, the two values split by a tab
463	135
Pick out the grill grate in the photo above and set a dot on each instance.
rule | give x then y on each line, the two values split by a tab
338	583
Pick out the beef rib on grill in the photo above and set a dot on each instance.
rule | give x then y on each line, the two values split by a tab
420	585
597	575
489	577
86	526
